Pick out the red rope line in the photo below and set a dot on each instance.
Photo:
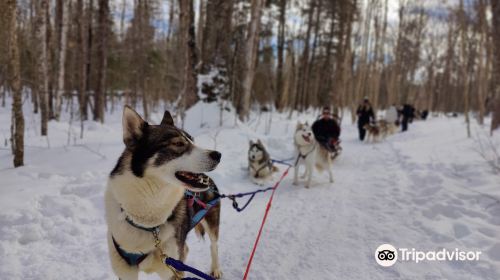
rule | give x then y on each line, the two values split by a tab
263	222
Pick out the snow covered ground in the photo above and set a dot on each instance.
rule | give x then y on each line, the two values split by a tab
426	189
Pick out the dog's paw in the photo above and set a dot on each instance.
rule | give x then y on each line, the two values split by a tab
307	186
295	183
331	180
216	273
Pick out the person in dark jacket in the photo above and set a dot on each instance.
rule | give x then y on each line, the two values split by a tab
326	130
407	113
365	116
424	114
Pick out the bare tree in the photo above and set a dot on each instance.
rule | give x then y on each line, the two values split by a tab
188	43
122	19
17	128
300	100
363	68
216	42
483	64
495	99
281	49
88	54
42	62
61	57
202	15
495	9
171	15
81	63
102	55
465	63
251	47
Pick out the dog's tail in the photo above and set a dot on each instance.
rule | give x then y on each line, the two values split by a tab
200	231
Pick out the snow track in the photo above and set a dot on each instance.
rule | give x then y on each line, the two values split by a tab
425	189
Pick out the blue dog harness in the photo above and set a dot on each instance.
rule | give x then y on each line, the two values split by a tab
134	259
205	206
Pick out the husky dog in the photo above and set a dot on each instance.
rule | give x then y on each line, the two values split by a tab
260	165
385	128
372	132
310	154
376	132
392	128
146	213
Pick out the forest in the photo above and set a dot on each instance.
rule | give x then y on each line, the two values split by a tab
250	139
279	55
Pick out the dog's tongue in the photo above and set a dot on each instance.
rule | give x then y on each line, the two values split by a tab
307	138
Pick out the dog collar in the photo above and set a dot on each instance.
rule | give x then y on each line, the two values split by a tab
149	229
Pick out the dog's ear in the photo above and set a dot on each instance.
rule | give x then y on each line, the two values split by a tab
299	126
259	142
167	119
306	124
250	143
133	126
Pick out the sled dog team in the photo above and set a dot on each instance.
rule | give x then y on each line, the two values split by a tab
379	130
148	212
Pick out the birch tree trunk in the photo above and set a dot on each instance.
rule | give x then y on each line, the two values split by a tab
88	54
482	80
201	22
251	48
464	68
61	58
122	20
287	80
171	15
304	60
17	127
41	63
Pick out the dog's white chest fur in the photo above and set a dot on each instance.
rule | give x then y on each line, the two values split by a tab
148	201
310	154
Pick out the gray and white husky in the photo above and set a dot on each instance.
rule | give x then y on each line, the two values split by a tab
145	198
260	165
310	154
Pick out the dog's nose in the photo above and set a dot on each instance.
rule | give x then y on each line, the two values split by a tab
309	134
215	155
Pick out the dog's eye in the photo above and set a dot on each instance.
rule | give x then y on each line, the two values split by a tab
179	144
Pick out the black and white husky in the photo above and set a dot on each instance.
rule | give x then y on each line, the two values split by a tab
145	202
310	154
260	166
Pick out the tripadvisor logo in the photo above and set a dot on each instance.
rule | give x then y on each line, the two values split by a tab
387	255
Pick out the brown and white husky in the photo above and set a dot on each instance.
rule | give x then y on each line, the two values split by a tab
145	194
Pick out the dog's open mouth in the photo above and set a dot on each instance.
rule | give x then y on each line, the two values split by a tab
306	138
195	181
